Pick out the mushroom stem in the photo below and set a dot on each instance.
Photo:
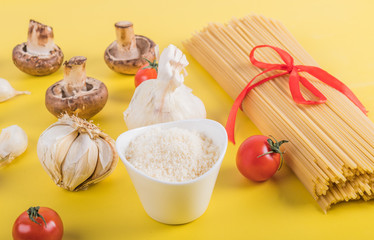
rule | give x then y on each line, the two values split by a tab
39	39
75	75
126	40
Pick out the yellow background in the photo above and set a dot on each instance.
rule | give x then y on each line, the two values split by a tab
338	34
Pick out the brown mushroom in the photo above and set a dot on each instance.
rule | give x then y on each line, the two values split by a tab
76	94
128	53
39	55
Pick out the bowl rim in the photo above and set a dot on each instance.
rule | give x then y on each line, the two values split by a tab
173	124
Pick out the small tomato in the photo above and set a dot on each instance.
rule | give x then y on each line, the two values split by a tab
259	157
146	72
38	223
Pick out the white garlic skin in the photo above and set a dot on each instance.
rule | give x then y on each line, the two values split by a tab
7	91
75	153
13	142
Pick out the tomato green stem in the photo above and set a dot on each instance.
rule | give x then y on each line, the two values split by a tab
275	148
153	65
33	213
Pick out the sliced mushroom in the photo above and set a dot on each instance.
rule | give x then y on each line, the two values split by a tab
76	94
128	53
39	55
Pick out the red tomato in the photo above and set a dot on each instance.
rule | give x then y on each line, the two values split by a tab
38	223
148	71
259	157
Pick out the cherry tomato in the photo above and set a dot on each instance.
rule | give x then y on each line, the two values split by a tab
146	72
38	223
259	157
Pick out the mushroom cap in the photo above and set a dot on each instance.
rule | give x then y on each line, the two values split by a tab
84	104
37	65
131	66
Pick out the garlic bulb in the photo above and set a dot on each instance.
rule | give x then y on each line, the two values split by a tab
13	142
76	153
7	91
166	98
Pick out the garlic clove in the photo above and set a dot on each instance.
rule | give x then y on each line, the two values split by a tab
60	137
80	162
13	142
7	91
105	163
104	158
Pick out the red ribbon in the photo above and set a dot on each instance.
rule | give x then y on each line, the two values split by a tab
294	82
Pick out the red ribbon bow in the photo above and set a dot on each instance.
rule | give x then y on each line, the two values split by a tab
289	68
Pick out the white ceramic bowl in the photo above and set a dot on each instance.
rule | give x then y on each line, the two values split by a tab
181	202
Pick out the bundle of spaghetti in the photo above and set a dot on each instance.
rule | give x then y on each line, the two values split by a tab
331	147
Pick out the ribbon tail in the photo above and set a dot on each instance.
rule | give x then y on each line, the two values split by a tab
314	91
230	124
295	88
330	80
